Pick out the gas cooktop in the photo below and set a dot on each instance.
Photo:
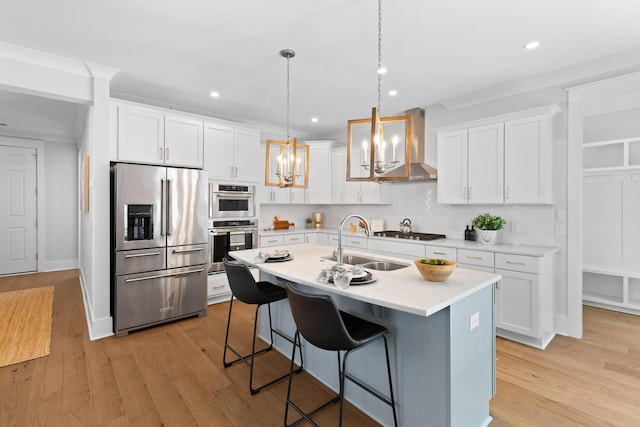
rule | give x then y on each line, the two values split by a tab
409	236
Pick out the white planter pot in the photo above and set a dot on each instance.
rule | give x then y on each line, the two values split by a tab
488	237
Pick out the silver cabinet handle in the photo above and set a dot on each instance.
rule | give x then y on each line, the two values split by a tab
160	153
160	276
439	253
474	257
464	193
218	287
186	251
143	254
469	193
515	263
272	241
166	154
507	192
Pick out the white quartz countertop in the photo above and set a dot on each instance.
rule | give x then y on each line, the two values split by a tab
402	289
530	250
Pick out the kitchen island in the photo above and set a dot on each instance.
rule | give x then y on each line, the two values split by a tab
442	338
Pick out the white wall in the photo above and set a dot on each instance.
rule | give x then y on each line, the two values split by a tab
61	199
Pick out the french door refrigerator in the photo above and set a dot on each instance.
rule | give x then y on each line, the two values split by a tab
159	245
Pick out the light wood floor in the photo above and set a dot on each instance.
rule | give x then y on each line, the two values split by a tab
172	375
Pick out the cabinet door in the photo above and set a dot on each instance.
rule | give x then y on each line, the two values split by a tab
452	167
527	160
183	142
517	306
293	239
485	164
140	135
247	147
338	176
314	238
268	241
320	185
218	151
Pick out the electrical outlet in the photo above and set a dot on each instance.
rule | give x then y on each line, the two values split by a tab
474	321
561	215
515	226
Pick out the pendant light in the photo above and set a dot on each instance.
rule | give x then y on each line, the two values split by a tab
287	162
378	145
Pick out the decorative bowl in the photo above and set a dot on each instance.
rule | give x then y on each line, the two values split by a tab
435	273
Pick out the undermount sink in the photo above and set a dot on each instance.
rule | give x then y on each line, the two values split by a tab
350	259
370	263
384	265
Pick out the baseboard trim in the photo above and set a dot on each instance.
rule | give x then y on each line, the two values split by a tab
98	328
65	264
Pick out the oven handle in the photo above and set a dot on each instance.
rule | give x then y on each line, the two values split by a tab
159	276
238	230
235	196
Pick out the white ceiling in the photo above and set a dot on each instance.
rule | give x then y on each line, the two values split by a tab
175	53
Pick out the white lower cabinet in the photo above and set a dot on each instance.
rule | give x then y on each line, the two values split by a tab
517	302
403	249
440	252
267	241
524	299
293	239
472	259
218	289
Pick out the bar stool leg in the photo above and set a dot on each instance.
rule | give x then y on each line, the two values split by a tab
393	401
251	357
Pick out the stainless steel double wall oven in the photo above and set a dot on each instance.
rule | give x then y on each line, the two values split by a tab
232	221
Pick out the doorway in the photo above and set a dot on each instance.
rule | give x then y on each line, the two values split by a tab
18	221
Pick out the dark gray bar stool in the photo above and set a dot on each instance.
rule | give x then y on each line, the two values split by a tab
246	289
320	322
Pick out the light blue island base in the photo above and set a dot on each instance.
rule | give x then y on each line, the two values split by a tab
443	365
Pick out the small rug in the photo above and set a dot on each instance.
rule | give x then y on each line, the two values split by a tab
25	324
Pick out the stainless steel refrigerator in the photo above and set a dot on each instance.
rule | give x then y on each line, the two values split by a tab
159	245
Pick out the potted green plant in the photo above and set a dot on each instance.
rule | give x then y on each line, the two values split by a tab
308	221
488	226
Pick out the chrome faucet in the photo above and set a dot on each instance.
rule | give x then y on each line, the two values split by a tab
367	230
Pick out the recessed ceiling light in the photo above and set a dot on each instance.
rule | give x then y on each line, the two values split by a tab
214	94
532	45
381	70
393	92
314	119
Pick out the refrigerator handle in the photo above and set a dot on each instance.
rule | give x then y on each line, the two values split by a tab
169	207
162	207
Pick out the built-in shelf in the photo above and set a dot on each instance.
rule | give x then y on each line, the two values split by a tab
611	236
618	154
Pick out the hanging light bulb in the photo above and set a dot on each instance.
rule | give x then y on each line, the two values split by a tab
375	161
290	154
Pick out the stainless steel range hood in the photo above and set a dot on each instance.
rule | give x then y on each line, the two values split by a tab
419	170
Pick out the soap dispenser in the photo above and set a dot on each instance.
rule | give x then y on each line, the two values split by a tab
473	235
466	233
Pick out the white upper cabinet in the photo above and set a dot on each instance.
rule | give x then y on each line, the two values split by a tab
231	154
485	159
527	160
319	190
499	160
452	167
354	192
148	135
140	135
470	165
182	141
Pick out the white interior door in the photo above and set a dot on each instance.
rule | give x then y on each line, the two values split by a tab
18	226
